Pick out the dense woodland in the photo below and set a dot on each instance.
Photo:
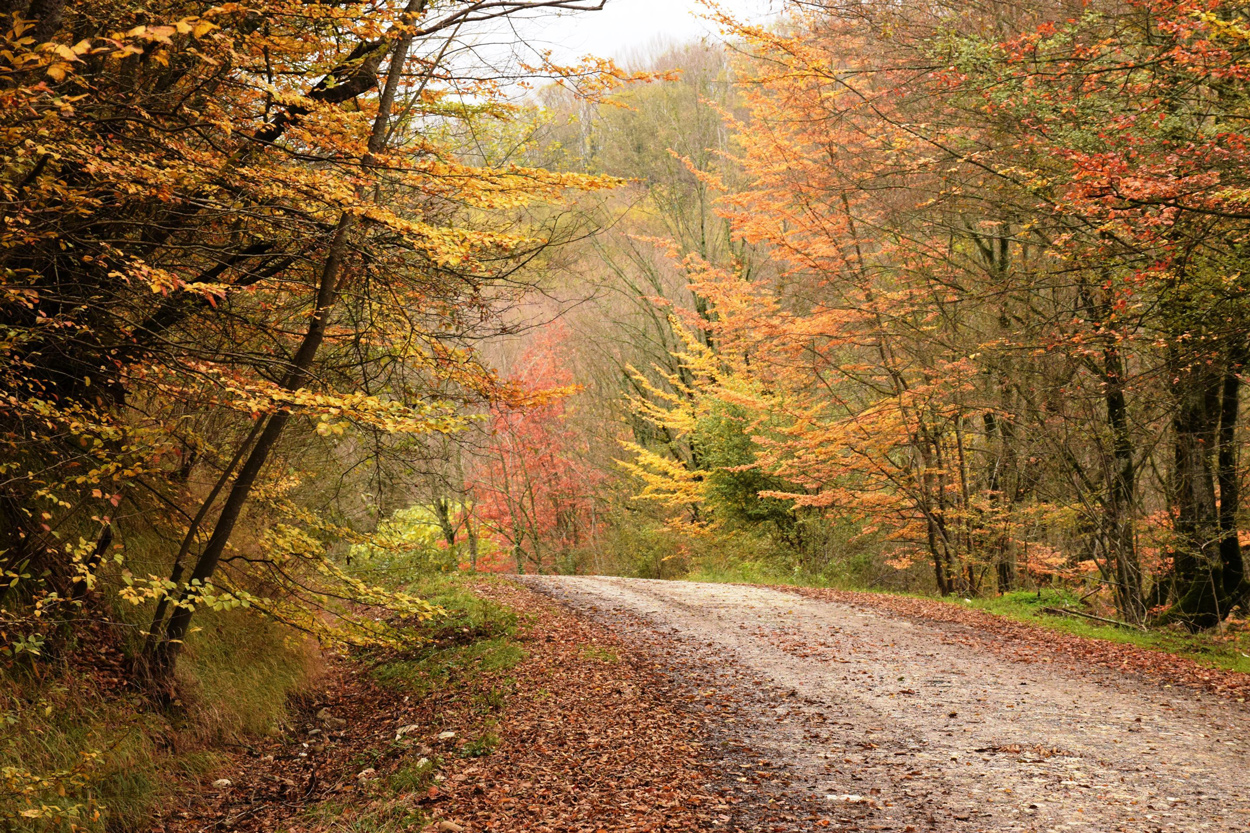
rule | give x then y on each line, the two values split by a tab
953	292
941	297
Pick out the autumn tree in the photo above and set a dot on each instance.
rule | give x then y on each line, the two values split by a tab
534	482
984	262
223	224
1006	244
1153	189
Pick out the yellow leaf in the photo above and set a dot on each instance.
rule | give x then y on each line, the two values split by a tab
160	34
57	72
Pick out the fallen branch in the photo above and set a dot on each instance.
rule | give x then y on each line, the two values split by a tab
1061	612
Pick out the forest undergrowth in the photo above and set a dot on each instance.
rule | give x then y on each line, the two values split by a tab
109	754
511	714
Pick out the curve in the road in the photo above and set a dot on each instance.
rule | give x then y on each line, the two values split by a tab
894	725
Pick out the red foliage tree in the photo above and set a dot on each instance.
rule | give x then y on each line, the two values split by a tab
535	489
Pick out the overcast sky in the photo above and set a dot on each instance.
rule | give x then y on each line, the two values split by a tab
626	27
623	30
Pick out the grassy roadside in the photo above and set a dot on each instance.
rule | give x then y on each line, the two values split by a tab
1227	650
82	750
506	713
579	734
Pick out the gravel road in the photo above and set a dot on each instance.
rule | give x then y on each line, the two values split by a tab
882	723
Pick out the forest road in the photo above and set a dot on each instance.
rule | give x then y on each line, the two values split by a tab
883	723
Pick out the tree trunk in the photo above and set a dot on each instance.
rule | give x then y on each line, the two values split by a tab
1231	561
442	511
165	652
470	532
1201	601
1120	504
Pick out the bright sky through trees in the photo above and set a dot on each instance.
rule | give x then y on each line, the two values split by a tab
625	27
622	30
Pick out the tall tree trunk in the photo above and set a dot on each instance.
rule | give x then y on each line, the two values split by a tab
470	531
1201	601
939	569
1120	507
442	512
1231	560
1116	532
935	535
1002	433
166	649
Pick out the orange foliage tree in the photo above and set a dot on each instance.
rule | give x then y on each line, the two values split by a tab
1003	260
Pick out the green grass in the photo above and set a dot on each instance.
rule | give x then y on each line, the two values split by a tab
122	757
237	673
379	816
1227	650
463	610
480	746
494	700
853	573
413	777
432	669
608	656
473	635
744	572
95	758
450	654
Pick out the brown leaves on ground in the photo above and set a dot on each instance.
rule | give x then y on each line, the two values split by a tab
1024	642
585	738
590	740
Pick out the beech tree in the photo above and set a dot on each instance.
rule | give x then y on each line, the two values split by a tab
1004	253
224	223
1157	185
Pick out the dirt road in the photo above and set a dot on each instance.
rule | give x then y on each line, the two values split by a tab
879	723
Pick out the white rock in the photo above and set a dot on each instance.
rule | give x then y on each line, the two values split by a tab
222	783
